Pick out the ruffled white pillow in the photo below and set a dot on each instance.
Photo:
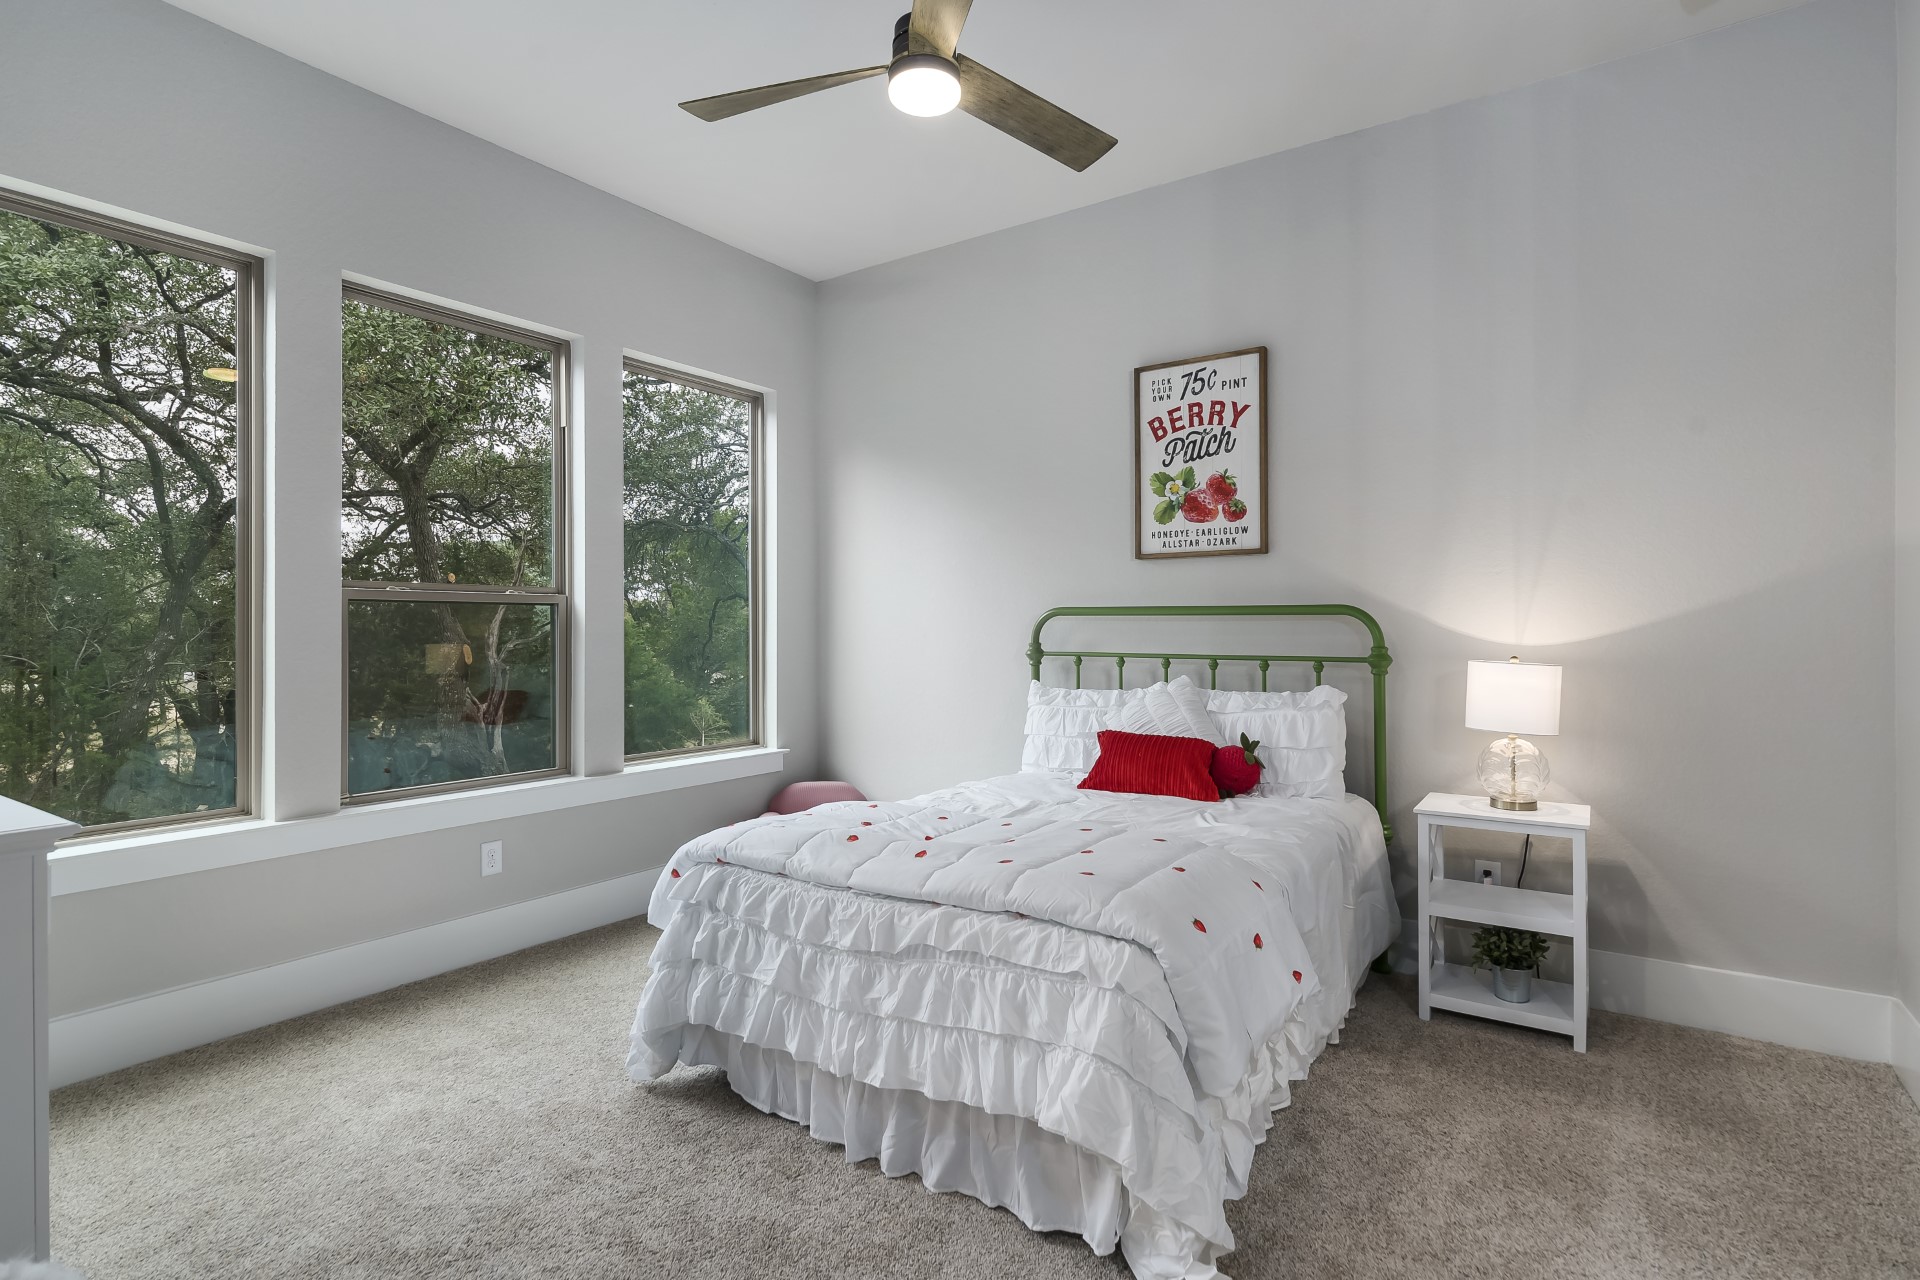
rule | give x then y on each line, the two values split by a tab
1063	728
1302	737
1177	708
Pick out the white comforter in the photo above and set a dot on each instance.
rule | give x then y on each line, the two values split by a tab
1139	976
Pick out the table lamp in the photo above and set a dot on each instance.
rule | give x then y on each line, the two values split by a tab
1513	697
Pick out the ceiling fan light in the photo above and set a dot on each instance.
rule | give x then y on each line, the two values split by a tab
922	84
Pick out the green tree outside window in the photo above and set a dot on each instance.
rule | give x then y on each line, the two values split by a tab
448	506
689	564
120	484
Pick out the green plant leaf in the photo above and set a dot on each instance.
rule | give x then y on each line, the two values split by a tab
1159	482
1165	512
1187	478
1503	948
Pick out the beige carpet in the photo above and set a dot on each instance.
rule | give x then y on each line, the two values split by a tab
479	1124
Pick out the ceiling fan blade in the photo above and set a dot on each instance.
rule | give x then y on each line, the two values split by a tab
722	105
987	95
935	26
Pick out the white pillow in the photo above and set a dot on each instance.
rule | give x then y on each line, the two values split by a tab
1063	727
1178	710
1302	737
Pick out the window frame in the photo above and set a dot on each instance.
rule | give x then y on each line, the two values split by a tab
757	535
249	479
556	595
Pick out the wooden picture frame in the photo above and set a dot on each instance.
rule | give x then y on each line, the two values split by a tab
1200	494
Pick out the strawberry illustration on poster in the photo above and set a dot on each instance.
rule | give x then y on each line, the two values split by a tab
1200	456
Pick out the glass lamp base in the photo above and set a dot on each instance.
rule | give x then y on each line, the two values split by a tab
1514	773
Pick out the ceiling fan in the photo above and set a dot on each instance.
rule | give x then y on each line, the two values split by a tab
928	77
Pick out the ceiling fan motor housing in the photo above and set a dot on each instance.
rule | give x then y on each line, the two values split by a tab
902	59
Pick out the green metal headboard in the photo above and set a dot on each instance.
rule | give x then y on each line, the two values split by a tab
1376	660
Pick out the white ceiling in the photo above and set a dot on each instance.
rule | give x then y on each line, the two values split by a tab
840	180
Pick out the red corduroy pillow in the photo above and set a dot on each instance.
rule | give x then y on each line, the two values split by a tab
1153	764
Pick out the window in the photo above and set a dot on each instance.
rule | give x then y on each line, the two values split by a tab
126	374
452	555
692	565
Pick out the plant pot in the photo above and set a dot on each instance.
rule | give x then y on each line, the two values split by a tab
1515	986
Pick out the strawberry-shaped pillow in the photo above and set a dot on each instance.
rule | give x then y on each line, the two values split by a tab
1236	770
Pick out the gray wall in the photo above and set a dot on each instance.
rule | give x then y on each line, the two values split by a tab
112	944
1906	747
1597	371
137	105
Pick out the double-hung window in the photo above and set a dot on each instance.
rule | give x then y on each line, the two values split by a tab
453	552
126	390
693	629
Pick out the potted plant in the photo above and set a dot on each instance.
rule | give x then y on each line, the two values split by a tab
1513	955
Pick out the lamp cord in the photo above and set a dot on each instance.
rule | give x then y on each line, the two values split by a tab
1525	848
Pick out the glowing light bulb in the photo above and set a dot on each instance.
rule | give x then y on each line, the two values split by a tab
921	84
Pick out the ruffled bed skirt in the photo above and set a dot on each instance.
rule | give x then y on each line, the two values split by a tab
1046	1179
1007	1162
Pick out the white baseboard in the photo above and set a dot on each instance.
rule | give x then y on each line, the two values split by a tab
96	1041
1847	1024
1906	1047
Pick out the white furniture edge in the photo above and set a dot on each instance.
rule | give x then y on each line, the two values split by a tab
1457	809
1863	1025
96	1041
179	850
26	834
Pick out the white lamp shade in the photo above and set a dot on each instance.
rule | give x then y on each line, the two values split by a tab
1514	697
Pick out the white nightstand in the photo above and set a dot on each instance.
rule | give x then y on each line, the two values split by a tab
1556	1006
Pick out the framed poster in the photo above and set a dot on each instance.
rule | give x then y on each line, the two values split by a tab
1200	456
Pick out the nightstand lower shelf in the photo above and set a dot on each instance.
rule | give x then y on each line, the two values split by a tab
1460	988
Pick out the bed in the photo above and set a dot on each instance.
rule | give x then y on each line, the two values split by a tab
1081	1006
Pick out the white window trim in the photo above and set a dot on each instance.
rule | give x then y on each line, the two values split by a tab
110	860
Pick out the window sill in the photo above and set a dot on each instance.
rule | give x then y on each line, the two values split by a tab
173	851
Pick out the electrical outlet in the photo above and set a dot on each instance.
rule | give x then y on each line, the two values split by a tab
1485	872
493	857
